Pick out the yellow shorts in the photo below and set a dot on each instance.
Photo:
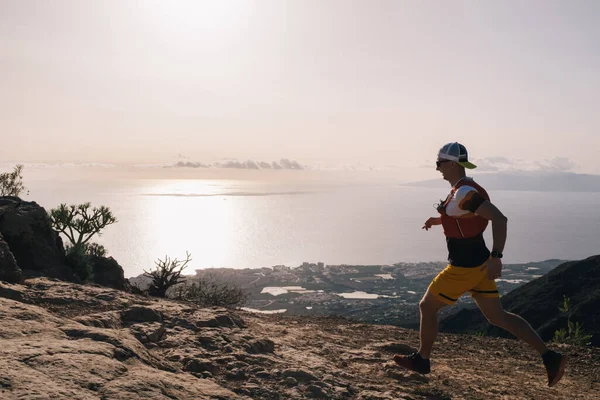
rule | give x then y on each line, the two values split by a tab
454	281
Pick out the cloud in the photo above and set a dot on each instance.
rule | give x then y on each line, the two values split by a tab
249	164
288	164
184	161
283	164
190	164
494	164
556	164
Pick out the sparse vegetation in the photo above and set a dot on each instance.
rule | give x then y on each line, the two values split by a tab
208	291
79	223
574	333
204	291
11	183
80	258
166	275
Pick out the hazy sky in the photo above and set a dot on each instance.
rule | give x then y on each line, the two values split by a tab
381	82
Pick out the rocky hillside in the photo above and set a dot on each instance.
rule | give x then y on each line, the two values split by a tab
538	301
70	341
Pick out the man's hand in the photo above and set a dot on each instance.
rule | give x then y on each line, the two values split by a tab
494	268
432	221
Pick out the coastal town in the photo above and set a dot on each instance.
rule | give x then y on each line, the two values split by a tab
382	294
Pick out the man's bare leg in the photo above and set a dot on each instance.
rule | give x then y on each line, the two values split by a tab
554	362
496	315
419	362
429	306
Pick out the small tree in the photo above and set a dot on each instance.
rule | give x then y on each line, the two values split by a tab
574	333
79	261
11	183
79	223
167	274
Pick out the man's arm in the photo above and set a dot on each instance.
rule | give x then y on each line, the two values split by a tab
489	211
432	221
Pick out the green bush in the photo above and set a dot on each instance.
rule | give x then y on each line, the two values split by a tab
95	250
79	261
574	333
11	183
80	258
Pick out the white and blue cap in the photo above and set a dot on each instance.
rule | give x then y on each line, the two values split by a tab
456	152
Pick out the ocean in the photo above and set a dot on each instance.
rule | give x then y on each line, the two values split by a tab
253	219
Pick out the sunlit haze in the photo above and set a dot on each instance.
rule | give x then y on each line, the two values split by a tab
384	83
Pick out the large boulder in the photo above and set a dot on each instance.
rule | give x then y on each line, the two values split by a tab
36	247
108	272
9	270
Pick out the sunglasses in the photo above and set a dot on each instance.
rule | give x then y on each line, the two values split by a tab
439	163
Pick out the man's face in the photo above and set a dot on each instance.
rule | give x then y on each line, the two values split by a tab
443	166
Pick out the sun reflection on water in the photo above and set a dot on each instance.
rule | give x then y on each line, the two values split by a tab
180	221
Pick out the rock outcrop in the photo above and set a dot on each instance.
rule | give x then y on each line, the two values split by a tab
29	247
106	271
36	247
72	341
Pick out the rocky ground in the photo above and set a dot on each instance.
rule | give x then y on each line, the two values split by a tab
67	341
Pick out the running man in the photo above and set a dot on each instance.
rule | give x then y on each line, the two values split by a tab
464	215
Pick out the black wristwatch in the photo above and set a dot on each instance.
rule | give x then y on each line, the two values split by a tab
496	254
